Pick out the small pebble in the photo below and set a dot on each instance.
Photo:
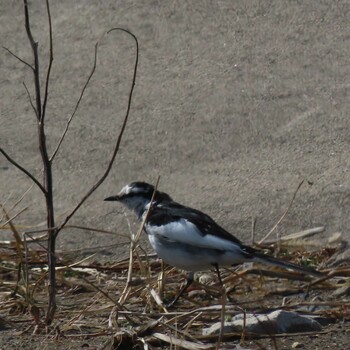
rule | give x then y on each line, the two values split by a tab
343	291
297	345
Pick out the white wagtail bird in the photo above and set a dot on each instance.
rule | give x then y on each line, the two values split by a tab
189	239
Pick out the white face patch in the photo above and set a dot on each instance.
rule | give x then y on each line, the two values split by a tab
125	190
131	189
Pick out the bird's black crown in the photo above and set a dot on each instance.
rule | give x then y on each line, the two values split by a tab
140	189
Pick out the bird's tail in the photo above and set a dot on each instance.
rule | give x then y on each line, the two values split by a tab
267	259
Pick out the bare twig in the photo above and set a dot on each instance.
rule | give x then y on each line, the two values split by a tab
34	46
19	59
3	205
138	234
171	340
116	149
13	229
253	231
40	111
25	171
222	318
47	80
19	245
13	217
26	269
297	235
133	243
30	98
283	215
82	228
48	184
21	198
76	105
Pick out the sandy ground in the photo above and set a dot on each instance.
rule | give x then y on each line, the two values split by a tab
235	104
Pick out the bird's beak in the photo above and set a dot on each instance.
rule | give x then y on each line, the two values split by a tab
112	198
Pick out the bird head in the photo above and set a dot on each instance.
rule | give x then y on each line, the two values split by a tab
137	195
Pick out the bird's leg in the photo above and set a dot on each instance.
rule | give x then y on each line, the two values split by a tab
190	279
223	302
218	273
222	284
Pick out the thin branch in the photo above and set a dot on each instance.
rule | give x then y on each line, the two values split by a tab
283	215
4	203
116	149
296	236
19	59
21	198
82	228
12	218
34	46
135	71
50	61
134	240
138	234
30	98
76	106
12	161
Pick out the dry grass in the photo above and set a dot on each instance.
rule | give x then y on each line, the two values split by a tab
123	302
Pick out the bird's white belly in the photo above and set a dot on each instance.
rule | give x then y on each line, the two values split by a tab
189	257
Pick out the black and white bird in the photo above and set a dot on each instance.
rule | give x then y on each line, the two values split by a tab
189	239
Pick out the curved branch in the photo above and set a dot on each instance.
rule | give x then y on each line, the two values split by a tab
76	106
116	148
24	171
133	80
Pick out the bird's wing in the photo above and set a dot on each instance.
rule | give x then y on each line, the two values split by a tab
181	224
174	222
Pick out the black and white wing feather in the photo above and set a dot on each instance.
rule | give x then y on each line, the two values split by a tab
176	223
185	225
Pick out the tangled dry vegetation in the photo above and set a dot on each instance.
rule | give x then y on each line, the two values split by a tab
120	305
